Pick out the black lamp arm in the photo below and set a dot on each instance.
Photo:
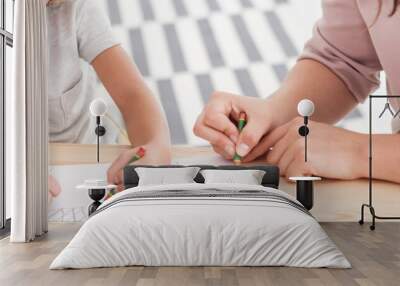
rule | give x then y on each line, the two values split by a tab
100	131
304	131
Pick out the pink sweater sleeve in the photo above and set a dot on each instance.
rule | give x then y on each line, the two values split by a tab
341	42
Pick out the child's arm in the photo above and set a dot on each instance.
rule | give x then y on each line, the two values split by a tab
144	118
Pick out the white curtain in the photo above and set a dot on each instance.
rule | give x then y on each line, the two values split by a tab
26	117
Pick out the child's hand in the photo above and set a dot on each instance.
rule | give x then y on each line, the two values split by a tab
54	186
332	152
114	173
215	123
150	154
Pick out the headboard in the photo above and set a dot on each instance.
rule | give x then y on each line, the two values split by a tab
270	179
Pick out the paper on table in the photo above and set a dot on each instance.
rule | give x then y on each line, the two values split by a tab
71	204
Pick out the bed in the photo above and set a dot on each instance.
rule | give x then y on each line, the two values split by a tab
201	224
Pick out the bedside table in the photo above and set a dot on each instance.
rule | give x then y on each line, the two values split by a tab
97	190
305	190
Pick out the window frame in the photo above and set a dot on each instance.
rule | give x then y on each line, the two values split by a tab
6	39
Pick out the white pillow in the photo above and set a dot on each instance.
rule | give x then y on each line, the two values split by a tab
166	176
247	177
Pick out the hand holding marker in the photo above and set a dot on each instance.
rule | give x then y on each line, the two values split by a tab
138	155
241	124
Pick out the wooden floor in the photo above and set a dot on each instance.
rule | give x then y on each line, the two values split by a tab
375	257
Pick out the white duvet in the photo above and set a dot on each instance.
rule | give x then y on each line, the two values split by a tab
200	232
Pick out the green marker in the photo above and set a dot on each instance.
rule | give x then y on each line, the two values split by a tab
110	194
139	155
241	124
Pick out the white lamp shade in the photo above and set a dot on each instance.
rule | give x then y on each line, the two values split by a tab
305	108
98	107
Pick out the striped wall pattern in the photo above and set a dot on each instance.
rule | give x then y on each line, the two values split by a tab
186	49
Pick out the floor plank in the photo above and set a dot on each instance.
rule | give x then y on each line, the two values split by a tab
375	257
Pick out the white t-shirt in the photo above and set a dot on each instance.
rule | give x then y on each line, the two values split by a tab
78	31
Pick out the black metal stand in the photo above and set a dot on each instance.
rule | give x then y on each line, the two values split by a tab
96	195
370	203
